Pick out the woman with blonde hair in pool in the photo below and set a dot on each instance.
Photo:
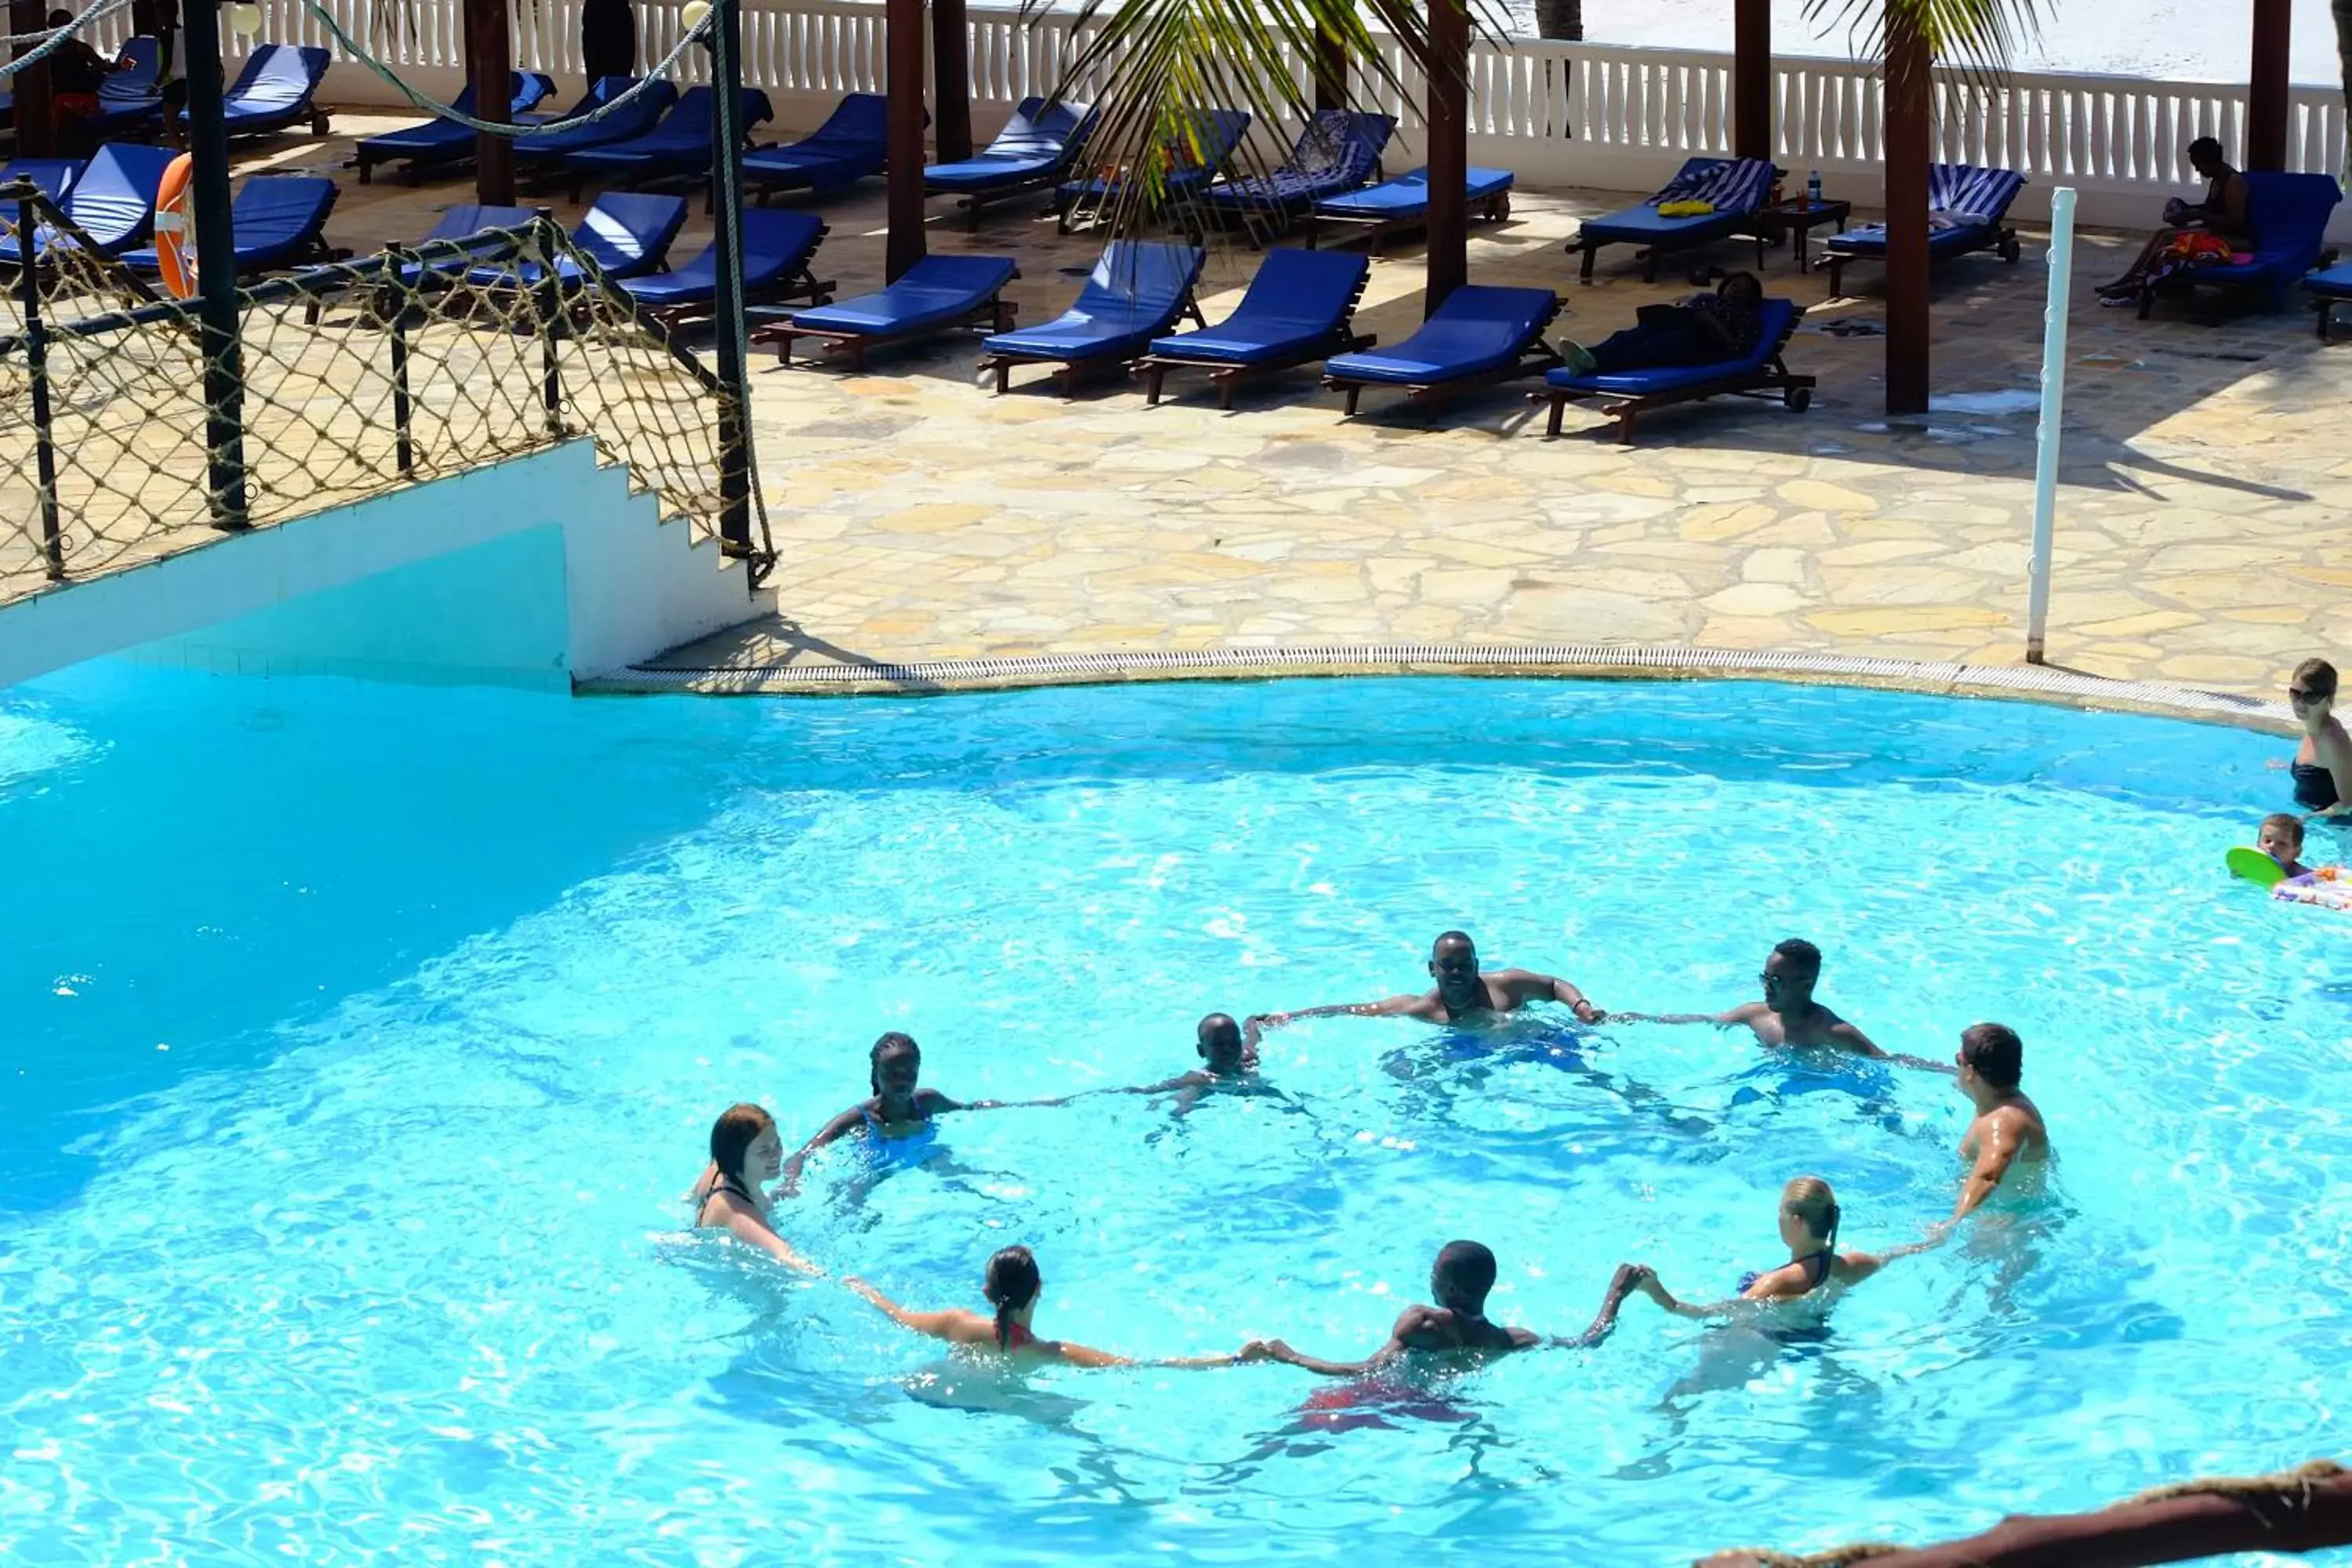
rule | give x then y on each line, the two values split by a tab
746	1154
1011	1285
1809	1227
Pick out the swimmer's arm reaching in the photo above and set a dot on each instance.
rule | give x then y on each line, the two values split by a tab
1529	987
839	1127
1257	1023
1646	1281
747	1227
1846	1036
1620	1285
954	1325
1997	1149
1746	1014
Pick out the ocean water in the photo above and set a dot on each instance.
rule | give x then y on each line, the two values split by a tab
360	1042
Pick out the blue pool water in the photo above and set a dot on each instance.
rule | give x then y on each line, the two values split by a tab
379	1260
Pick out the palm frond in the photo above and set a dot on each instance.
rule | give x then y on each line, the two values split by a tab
1980	37
1156	69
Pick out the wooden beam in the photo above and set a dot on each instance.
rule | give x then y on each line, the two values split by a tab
903	82
2275	1514
2266	90
950	81
490	59
1330	70
36	127
1910	133
1751	79
1449	152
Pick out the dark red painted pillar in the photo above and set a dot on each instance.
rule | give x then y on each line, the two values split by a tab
903	83
1751	79
2266	102
1330	70
1449	150
1910	148
36	135
489	58
951	80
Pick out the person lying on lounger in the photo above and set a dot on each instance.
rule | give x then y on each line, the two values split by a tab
1705	329
2215	226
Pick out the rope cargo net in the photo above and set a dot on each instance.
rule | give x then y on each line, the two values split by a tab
351	378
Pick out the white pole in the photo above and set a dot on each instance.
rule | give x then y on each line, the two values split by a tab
2054	408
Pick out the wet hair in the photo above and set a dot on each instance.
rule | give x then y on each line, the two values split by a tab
2317	676
1216	1026
1010	1284
1810	1200
890	1045
1465	1272
1802	955
732	1135
2289	824
1994	1053
1461	936
2205	147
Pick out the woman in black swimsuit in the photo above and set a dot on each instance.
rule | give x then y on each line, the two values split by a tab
745	1156
2323	764
1809	1225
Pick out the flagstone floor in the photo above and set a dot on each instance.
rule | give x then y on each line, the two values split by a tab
2204	520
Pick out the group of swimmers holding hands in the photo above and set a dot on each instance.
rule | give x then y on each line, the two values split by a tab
2006	1136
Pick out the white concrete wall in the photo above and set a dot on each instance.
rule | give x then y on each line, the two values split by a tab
535	573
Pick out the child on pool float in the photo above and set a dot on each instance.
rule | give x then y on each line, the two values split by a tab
2328	887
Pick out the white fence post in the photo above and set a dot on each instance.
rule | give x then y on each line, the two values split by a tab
2053	410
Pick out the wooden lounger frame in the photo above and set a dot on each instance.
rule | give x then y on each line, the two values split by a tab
1757	227
1068	371
1375	232
1224	375
2001	239
1535	359
1770	379
993	315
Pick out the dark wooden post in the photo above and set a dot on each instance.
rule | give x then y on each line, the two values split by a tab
903	85
1449	152
489	59
35	126
950	81
1910	147
1330	70
2266	99
215	268
1751	79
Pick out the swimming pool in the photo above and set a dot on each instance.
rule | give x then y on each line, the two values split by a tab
380	1259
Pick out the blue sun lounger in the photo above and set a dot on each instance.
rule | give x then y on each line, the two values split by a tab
1300	307
1195	160
1401	205
1736	188
1480	336
543	150
274	90
2329	289
1339	151
1631	393
112	200
937	294
53	176
1966	205
280	220
626	233
467	226
131	96
438	143
850	145
679	145
1032	153
2288	213
1137	291
778	247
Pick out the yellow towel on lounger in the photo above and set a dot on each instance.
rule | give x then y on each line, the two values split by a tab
1684	209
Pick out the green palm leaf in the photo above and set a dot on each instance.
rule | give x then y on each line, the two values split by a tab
1977	36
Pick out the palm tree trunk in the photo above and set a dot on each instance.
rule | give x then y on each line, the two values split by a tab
1910	147
490	57
952	71
2343	12
903	84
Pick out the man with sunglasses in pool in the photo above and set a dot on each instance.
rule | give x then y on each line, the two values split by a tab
1787	1016
1462	994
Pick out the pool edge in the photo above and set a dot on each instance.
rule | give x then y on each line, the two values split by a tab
1557	661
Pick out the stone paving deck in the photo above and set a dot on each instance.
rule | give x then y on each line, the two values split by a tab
2205	509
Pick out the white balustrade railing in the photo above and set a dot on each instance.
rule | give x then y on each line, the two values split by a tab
1561	114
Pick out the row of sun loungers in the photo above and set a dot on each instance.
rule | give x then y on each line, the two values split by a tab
280	220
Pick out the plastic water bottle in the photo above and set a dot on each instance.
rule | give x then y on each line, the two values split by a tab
1813	189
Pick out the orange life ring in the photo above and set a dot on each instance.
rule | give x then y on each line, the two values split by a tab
175	249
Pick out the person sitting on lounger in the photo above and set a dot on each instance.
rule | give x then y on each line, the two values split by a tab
1705	329
2193	231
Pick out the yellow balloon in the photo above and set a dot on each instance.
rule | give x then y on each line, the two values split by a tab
693	12
245	20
